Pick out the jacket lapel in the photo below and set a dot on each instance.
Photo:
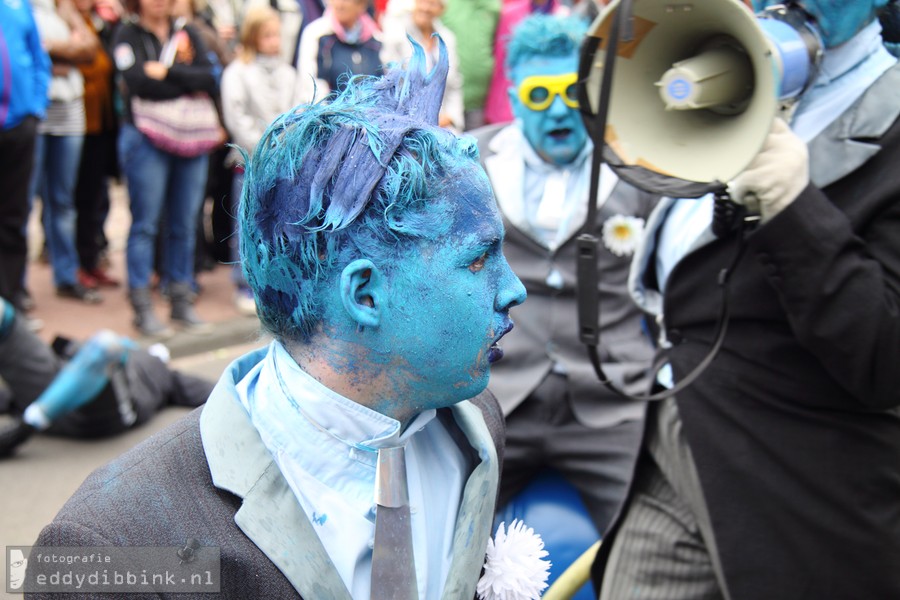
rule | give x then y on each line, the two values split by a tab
476	512
649	299
275	521
270	514
839	149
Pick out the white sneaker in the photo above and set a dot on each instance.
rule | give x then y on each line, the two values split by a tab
160	351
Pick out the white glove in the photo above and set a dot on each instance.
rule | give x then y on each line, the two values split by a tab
776	176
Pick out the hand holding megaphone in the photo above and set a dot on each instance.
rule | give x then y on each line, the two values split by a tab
776	176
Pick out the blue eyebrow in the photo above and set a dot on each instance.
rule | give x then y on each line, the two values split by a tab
493	244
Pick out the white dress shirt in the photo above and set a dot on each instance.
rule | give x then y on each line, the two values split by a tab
326	447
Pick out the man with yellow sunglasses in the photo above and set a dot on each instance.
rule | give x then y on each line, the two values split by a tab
538	92
558	415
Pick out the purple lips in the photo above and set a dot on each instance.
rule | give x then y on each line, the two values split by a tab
495	352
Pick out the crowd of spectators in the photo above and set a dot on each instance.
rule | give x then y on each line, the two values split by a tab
254	59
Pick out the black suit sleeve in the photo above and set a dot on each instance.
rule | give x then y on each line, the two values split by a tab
840	284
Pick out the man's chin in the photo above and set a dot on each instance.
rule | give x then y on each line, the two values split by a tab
559	153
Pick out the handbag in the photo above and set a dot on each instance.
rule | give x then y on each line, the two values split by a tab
186	126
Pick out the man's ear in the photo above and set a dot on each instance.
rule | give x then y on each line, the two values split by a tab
513	93
362	292
514	102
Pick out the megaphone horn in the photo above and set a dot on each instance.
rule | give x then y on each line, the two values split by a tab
695	89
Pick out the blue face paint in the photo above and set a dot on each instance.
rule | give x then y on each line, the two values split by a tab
836	20
450	301
340	180
557	134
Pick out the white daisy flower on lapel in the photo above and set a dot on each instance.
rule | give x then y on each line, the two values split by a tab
622	233
515	568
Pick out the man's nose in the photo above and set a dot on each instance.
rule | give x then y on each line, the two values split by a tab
512	292
557	108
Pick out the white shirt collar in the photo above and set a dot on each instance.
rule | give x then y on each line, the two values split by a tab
846	73
353	425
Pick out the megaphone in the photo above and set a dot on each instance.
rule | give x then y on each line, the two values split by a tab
695	88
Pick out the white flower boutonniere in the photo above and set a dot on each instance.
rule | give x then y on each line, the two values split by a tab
515	568
622	233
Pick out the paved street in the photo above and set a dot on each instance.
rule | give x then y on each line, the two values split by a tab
45	471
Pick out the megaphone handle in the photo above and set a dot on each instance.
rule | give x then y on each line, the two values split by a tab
587	295
729	215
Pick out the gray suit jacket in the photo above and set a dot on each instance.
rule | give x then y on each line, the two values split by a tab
546	325
209	477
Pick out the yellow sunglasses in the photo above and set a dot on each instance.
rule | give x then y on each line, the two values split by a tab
538	91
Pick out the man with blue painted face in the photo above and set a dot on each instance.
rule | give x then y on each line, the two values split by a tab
372	243
776	473
558	414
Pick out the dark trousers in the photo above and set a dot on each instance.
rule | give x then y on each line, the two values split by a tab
543	432
92	196
17	158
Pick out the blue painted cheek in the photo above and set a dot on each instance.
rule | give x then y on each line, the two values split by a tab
531	121
536	126
450	325
575	142
840	21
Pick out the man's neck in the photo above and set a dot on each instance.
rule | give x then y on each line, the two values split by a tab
344	368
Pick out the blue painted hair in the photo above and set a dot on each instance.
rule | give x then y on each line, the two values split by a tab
544	36
357	175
